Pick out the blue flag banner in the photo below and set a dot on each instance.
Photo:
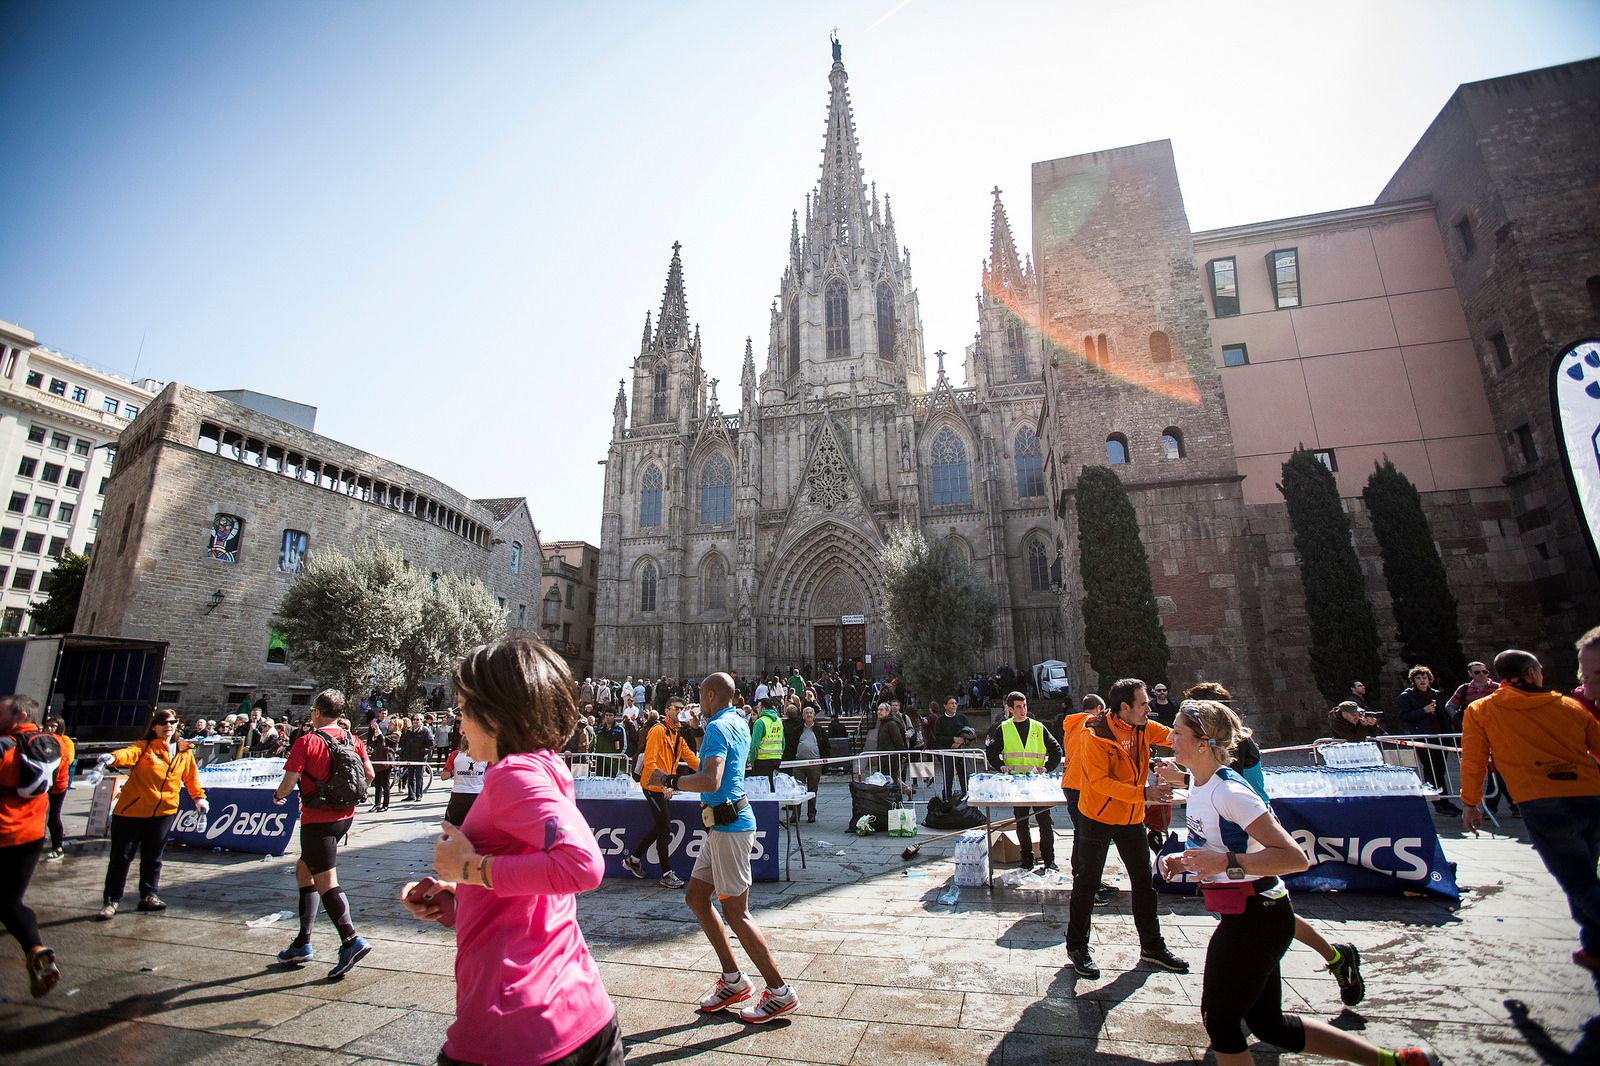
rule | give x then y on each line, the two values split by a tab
619	825
1383	844
241	819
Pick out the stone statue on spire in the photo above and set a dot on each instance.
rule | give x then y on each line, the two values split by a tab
834	37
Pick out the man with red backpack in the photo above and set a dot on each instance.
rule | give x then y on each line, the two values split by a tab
28	765
331	768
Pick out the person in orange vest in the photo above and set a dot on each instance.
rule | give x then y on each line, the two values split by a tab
1112	758
28	761
158	766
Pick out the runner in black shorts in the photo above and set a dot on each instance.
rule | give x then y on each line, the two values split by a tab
310	764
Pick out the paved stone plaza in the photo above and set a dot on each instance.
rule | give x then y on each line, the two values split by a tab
885	973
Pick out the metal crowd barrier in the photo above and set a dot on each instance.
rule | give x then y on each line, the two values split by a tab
944	771
597	763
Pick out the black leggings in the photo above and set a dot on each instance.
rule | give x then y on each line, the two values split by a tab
58	832
16	870
130	836
1243	987
382	776
660	834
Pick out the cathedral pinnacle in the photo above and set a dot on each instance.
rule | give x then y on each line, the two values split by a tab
672	326
1004	271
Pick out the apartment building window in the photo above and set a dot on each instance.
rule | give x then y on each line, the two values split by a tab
1235	355
58	545
109	404
22	579
94	520
74	479
58	387
27	467
516	557
1284	265
42	506
1469	243
1224	278
81	446
1327	458
19	503
65	511
36	379
4	571
60	441
11	622
571	599
32	543
130	412
8	361
8	538
103	483
1522	439
552	607
52	473
35	434
1502	350
80	394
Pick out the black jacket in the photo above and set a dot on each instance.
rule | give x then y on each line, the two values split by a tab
791	739
415	745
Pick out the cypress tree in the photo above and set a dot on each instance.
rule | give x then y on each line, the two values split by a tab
1121	627
1344	636
1424	606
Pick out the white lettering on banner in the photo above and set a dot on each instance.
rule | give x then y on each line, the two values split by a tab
675	835
1355	851
250	824
616	847
697	842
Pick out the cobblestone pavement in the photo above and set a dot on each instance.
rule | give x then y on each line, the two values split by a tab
885	973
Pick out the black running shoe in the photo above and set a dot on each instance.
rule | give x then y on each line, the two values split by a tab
1347	971
1103	895
1083	963
1162	958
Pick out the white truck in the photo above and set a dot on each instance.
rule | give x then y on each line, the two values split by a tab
1050	678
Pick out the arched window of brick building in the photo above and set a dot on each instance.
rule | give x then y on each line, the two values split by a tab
716	492
1160	348
1088	349
1117	450
650	498
837	319
1030	470
886	323
1038	565
949	470
1102	350
647	587
1172	443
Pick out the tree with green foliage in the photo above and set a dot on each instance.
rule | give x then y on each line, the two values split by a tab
60	607
350	617
1344	636
1424	606
940	612
1121	627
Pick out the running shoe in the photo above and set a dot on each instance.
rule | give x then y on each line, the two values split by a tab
107	912
42	972
724	995
633	866
770	1006
1083	963
351	952
1416	1056
671	880
1347	971
1162	958
1103	895
297	953
152	903
53	855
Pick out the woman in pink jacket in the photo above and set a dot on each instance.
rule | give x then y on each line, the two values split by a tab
527	990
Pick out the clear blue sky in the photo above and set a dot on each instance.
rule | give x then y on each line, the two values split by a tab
442	223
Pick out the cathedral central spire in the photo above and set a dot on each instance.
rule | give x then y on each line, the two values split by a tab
840	211
672	326
1004	270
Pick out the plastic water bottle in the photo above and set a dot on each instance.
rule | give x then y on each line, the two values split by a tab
94	776
200	823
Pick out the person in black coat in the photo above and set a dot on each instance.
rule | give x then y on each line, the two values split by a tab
1420	709
416	744
806	739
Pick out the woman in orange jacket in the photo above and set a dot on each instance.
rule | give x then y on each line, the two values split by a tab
58	787
158	766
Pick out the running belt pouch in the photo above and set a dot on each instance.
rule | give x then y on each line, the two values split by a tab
1227	899
721	814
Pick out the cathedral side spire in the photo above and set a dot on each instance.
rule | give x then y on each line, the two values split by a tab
672	326
1003	271
644	344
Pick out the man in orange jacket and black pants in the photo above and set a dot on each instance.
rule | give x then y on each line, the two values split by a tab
27	767
1111	763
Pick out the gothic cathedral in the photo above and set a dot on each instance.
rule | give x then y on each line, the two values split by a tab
750	541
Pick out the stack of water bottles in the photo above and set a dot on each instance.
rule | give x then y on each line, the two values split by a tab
1019	789
1322	782
788	788
1350	756
243	773
972	859
619	787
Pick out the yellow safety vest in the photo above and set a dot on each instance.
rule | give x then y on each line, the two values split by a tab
772	740
1020	758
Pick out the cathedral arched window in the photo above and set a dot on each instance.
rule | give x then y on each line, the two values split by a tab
716	492
714	584
794	336
1160	348
837	319
949	470
1172	443
1038	565
1016	352
1116	450
1088	349
1030	468
658	396
647	587
650	498
885	321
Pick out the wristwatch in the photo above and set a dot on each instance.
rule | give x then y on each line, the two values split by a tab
1235	871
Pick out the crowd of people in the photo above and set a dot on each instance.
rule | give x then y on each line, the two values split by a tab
514	851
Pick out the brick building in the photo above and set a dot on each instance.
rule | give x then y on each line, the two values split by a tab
567	604
211	512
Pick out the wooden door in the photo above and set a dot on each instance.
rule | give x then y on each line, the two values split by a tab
826	643
855	642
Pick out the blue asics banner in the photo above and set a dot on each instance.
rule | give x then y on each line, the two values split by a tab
1356	844
619	825
241	819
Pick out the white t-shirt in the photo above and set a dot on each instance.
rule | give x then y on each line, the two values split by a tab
762	691
466	775
1218	812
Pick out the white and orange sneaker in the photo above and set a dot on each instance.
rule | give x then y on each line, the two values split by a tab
771	1005
725	994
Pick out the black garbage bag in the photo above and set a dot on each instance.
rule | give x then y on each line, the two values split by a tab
874	800
953	813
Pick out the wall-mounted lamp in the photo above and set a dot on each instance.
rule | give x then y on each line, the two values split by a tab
216	601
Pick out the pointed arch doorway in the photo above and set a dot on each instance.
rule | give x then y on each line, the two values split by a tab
837	618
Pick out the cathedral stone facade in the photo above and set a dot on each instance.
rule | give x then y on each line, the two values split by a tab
750	540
